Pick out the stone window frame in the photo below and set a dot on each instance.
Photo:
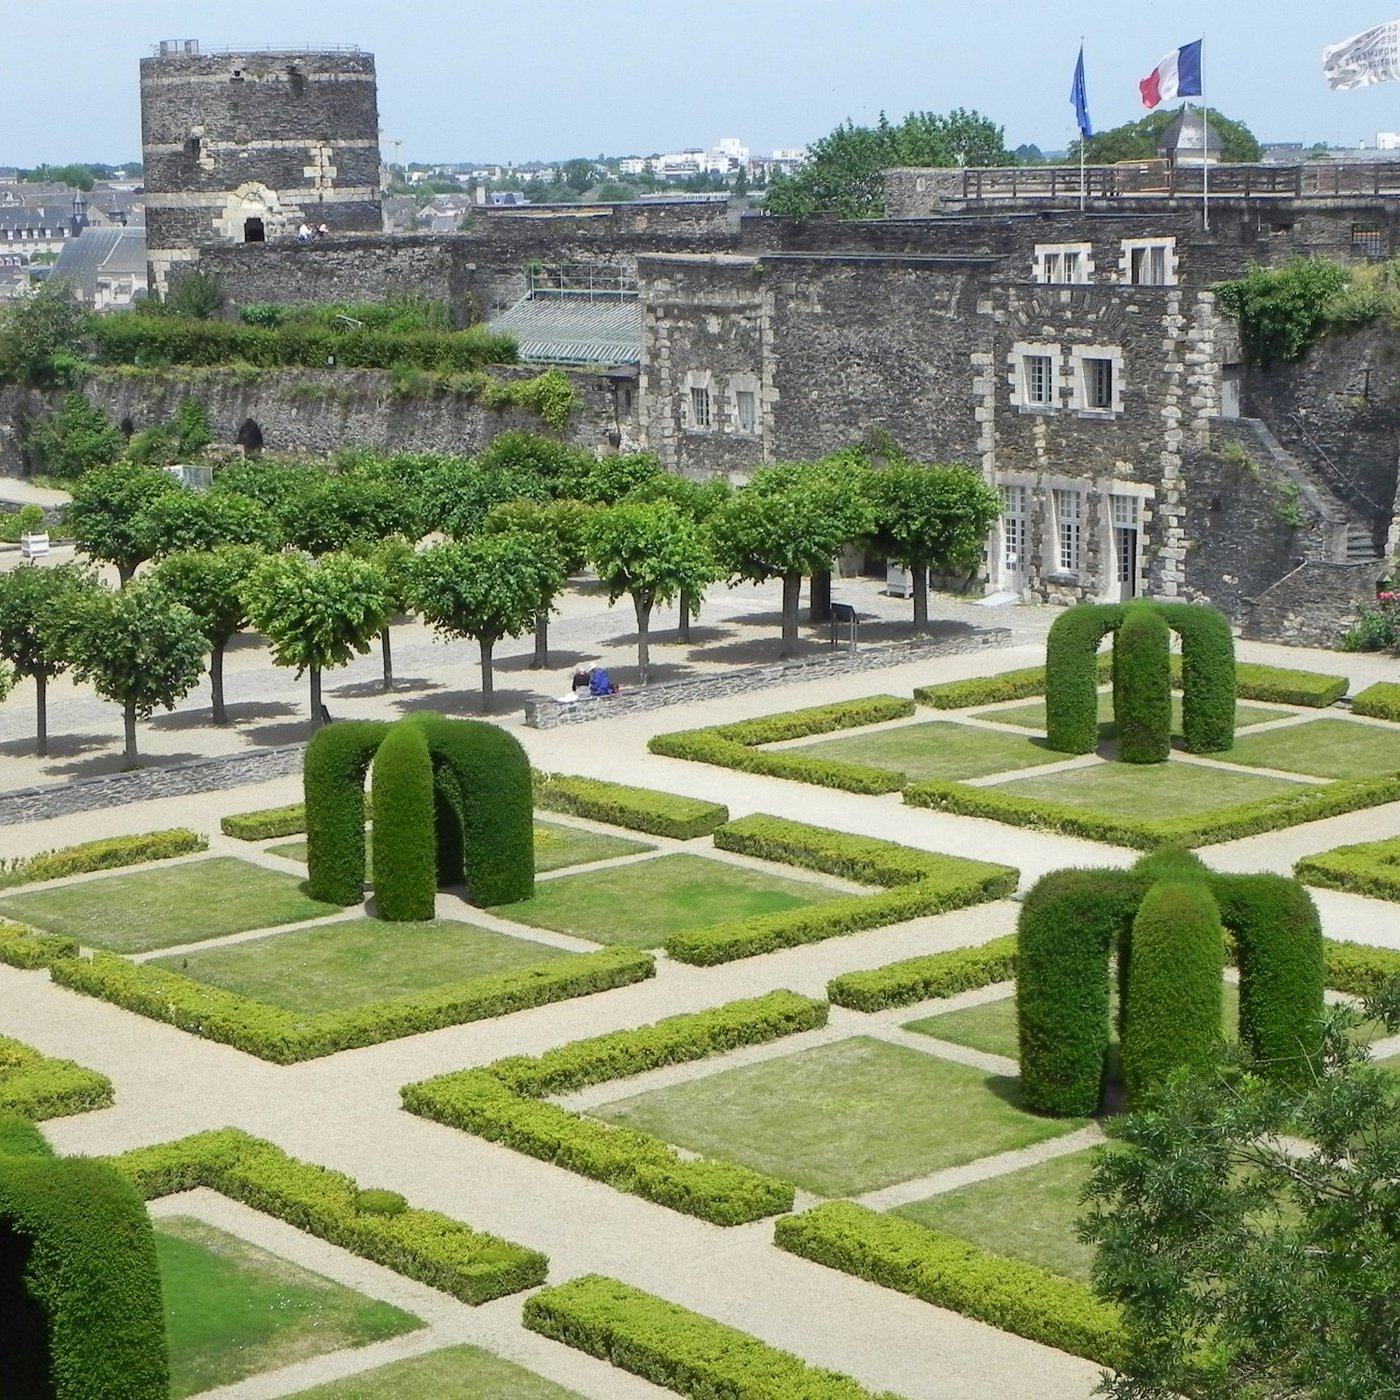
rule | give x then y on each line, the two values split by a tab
1145	246
1079	358
1026	484
701	380
1019	378
1084	269
744	384
1145	497
1057	498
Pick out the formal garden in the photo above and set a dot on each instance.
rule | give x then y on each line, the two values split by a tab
977	1127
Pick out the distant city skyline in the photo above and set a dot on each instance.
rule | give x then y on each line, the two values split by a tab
565	79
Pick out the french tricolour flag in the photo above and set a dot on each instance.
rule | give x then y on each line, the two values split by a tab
1177	75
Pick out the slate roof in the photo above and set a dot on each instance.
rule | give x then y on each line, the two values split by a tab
99	252
575	328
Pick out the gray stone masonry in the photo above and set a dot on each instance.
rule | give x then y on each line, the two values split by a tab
550	714
1314	605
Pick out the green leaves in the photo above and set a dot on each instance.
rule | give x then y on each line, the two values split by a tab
209	582
933	517
487	587
316	613
1283	310
107	514
650	550
32	602
75	439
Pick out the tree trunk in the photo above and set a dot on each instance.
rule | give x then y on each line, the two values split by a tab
125	573
683	630
129	724
488	688
920	598
541	661
641	602
792	591
819	597
216	683
316	695
41	708
387	651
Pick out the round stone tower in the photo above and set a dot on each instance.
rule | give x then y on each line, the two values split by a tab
245	147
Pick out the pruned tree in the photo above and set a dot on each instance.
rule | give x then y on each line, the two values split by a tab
136	646
459	494
701	501
33	604
177	521
651	551
209	582
932	518
486	588
107	515
316	613
393	557
329	513
792	520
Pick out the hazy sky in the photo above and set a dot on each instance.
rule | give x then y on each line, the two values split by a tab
523	79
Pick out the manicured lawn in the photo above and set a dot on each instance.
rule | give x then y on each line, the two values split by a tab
160	908
1029	1214
991	1027
1322	748
454	1373
233	1310
842	1119
1032	716
1159	790
360	961
939	749
555	847
641	904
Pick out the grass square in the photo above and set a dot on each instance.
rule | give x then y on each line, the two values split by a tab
842	1119
146	909
1322	748
234	1310
337	966
556	846
1161	790
641	904
1028	1214
937	749
1032	716
453	1373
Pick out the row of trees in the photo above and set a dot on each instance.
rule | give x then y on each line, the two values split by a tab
320	562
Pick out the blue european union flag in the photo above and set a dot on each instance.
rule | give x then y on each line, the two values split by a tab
1080	97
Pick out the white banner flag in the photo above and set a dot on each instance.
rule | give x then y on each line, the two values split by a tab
1370	57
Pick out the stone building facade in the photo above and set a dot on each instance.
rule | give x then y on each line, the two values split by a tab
245	147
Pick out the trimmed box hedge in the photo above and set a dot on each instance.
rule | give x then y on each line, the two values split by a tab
632	808
263	825
737	746
1280	685
110	853
673	1347
918	883
420	1244
1306	804
935	975
33	1085
953	1273
286	1037
1379	701
1358	968
1025	684
502	1103
22	947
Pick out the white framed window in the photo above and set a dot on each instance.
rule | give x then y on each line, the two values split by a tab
1069	506
1039	372
1149	262
1096	379
1013	535
1064	264
699	406
746	410
1035	376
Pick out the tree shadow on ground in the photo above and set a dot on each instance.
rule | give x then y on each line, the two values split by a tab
114	761
294	731
558	660
60	745
466	704
367	690
761	651
240	713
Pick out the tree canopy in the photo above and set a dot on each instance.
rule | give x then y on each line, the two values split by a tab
107	514
844	174
1138	140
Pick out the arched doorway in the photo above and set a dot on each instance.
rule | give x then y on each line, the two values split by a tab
253	231
249	437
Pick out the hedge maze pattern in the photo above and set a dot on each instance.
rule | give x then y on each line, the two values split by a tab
1166	920
451	805
1141	678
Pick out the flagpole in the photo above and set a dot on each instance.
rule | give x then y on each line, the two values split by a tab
1205	146
1082	141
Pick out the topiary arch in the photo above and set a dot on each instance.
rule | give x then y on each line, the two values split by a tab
451	804
80	1301
1165	920
1141	675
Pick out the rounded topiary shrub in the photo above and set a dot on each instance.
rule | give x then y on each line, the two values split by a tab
1142	686
333	779
1071	681
1174	986
80	1301
405	832
1207	676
